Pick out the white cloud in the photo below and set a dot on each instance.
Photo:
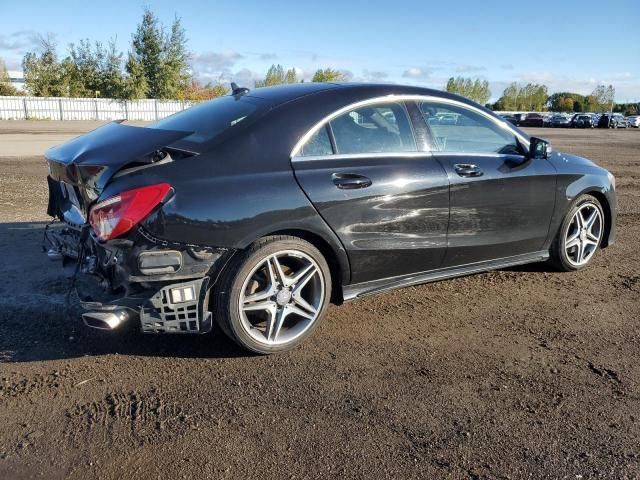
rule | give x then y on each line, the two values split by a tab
209	62
416	73
20	41
374	76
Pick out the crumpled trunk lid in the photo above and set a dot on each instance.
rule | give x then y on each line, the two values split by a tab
80	169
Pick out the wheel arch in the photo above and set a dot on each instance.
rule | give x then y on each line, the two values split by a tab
336	259
606	208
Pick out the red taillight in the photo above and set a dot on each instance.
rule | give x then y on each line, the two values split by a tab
119	214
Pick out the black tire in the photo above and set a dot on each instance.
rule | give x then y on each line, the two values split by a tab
558	255
228	290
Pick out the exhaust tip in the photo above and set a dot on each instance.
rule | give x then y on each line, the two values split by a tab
105	320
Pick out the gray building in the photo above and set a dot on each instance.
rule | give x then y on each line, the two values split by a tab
16	78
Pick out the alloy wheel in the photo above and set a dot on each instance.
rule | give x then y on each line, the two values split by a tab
281	297
584	234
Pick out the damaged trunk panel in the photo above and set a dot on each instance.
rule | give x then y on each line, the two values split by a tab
81	168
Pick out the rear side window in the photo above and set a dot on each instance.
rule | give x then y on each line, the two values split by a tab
318	144
210	119
379	128
458	129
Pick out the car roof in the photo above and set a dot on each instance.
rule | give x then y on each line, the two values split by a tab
281	94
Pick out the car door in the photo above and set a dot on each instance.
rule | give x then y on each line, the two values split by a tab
501	200
387	202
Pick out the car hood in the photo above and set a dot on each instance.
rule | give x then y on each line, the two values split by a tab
561	160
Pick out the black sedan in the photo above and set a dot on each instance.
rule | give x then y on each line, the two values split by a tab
583	121
612	121
255	210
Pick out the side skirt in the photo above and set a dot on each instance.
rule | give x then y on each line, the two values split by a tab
351	292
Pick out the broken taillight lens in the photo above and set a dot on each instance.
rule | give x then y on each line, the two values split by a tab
118	214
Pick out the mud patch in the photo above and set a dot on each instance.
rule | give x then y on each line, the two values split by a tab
630	282
25	386
134	418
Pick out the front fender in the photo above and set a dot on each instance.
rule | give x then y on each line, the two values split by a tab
593	181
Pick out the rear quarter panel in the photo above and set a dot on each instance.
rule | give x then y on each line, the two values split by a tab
222	199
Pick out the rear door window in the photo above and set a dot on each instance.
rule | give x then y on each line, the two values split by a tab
318	145
378	128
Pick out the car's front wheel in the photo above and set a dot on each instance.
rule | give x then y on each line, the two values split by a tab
579	236
273	295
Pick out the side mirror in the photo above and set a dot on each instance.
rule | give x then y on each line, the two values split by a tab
539	148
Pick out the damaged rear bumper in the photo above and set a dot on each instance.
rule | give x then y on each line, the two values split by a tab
162	287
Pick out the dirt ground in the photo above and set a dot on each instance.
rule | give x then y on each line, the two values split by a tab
521	373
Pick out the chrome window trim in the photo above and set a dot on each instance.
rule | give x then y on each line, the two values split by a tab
479	154
363	156
398	98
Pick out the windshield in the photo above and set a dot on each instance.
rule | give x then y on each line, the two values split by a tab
210	119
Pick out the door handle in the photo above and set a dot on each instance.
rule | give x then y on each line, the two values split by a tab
468	170
350	181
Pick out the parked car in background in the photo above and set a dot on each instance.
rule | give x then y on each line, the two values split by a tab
612	121
255	210
560	121
510	118
633	121
582	120
531	120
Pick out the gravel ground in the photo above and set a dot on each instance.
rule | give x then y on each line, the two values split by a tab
520	373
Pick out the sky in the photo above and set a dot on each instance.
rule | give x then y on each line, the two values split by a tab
569	45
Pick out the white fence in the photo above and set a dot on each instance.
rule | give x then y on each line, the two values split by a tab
60	108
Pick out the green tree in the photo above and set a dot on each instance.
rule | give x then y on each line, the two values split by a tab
198	92
509	97
93	70
627	108
5	85
474	89
558	102
112	81
157	64
135	84
604	97
145	58
589	104
328	75
529	97
291	76
43	74
577	106
176	76
276	75
81	69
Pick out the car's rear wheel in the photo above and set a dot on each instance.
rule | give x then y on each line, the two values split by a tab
273	295
580	235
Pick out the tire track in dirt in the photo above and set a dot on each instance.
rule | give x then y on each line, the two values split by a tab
131	418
